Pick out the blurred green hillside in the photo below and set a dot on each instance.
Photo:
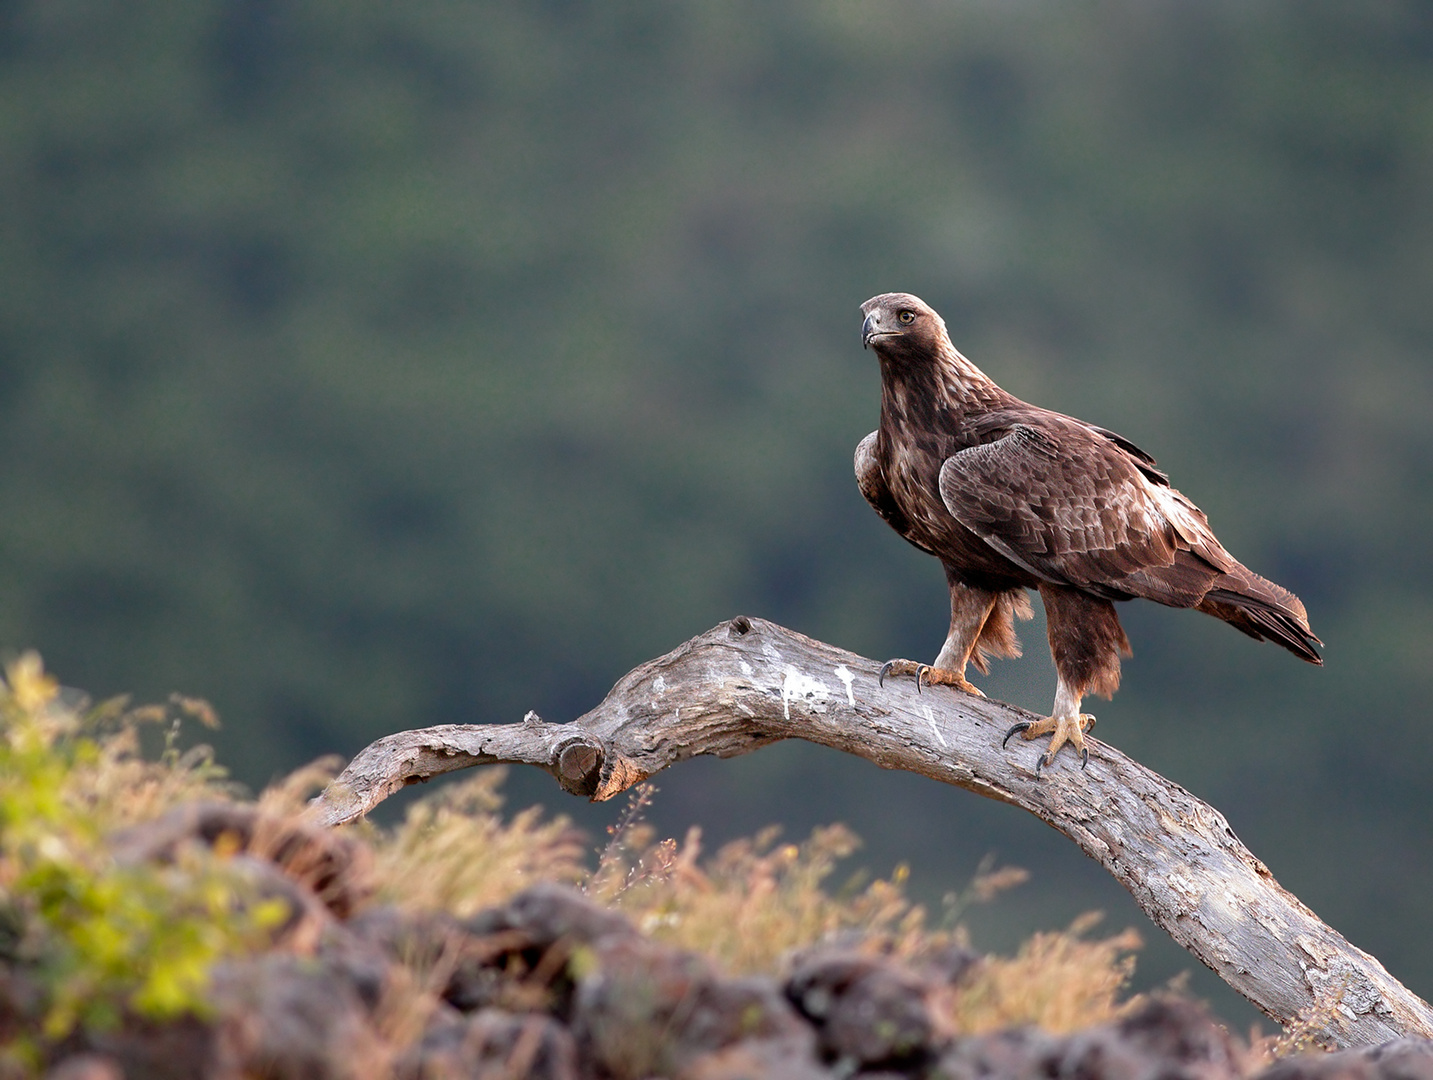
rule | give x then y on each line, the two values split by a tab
368	366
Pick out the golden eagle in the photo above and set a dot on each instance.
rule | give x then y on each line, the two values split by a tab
1009	496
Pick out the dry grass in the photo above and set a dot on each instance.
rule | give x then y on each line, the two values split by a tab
1305	1034
757	901
747	907
120	784
1059	982
455	851
754	901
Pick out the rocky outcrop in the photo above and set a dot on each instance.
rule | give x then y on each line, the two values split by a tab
550	985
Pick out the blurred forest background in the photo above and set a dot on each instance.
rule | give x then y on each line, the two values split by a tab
367	366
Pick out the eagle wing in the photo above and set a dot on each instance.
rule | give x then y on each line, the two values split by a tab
872	482
1078	506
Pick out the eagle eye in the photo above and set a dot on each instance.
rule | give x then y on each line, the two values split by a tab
907	317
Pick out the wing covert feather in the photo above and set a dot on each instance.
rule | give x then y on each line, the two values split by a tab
1073	507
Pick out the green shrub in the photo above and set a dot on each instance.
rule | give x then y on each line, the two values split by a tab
101	938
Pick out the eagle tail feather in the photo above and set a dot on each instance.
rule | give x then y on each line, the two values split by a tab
1263	610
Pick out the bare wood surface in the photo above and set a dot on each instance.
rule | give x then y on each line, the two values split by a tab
747	683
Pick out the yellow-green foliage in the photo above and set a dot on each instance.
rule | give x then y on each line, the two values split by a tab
101	937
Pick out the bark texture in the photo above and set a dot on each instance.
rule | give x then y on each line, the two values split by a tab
747	683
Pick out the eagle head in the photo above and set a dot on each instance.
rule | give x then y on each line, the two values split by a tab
899	322
911	340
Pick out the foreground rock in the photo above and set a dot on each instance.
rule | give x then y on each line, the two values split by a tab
1165	1040
549	985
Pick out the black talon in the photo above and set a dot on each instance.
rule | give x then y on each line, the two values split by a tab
1084	757
922	672
885	670
1023	725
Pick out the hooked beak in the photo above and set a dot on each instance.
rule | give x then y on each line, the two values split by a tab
869	330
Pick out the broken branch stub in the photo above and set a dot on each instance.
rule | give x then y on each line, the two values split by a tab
747	683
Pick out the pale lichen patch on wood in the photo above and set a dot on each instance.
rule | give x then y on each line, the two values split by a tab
802	688
934	727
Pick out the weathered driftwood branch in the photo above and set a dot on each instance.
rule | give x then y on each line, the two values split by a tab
748	683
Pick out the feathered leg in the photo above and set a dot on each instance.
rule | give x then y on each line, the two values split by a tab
1086	641
981	623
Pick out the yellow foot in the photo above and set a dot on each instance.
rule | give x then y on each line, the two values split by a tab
927	675
1062	730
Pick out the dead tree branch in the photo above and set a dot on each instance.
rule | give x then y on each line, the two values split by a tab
748	683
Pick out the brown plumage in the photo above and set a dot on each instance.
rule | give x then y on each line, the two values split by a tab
1010	496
